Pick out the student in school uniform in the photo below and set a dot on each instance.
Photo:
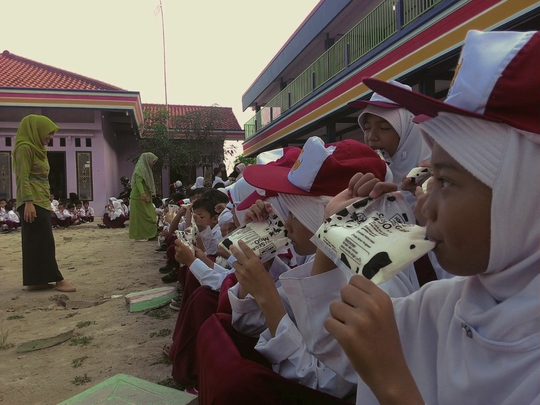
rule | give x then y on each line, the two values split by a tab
114	217
89	212
63	217
473	338
315	172
203	282
389	129
75	219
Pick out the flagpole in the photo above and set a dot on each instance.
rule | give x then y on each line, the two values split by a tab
164	63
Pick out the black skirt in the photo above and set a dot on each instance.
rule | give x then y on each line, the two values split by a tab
38	250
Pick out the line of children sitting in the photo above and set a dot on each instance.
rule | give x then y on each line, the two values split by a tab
9	217
65	214
299	330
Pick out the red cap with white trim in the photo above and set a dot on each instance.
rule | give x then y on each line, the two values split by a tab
319	170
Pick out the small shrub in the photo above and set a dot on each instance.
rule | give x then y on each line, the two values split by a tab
83	341
81	379
78	362
84	324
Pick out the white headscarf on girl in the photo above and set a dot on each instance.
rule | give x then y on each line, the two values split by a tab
411	149
199	183
237	192
498	309
118	211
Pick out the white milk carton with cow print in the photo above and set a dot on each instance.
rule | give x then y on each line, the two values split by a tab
188	237
266	238
376	238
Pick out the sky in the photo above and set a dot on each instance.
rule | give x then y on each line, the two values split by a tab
215	49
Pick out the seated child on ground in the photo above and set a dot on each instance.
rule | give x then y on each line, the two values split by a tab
62	218
88	211
282	343
75	219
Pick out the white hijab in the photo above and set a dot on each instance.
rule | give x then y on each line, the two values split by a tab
476	339
118	211
411	149
237	192
199	183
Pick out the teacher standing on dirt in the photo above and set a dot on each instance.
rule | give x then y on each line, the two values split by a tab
31	168
142	214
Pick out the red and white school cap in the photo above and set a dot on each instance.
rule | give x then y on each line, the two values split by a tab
496	79
379	100
284	157
319	170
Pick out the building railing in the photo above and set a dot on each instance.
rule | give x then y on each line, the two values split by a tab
375	28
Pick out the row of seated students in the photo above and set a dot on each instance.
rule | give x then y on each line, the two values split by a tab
65	214
298	330
9	217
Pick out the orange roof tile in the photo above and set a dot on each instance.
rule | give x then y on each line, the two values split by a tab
228	122
19	72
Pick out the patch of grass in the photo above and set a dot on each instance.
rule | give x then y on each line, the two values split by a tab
78	362
81	379
72	314
4	344
83	341
172	383
161	333
159	314
162	360
12	317
84	324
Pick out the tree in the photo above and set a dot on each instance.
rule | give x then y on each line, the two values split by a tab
181	142
245	160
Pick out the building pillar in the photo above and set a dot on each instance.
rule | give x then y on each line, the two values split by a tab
330	132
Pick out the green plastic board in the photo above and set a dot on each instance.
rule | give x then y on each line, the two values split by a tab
123	389
150	299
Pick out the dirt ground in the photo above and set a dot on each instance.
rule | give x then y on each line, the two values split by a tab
100	263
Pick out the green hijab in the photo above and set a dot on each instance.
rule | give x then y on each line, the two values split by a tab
143	168
32	131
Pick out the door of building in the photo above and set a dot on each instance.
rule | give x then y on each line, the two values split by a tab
57	175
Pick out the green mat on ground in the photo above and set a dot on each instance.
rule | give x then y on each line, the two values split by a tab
124	389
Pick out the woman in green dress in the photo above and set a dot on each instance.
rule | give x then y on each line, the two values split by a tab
31	168
142	215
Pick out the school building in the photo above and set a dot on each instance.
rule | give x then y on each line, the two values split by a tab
306	88
100	125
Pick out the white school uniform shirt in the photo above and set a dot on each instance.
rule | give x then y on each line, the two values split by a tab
247	317
81	213
13	216
292	350
3	214
211	238
220	180
90	212
63	214
310	298
210	277
292	361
